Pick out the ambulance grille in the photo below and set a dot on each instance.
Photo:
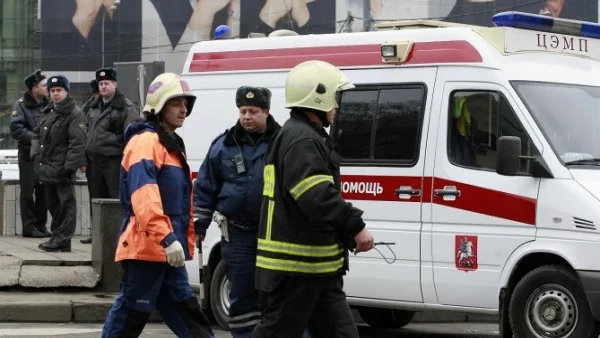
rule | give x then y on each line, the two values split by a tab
583	224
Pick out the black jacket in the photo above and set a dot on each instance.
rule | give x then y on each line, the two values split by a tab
106	125
305	224
26	116
58	149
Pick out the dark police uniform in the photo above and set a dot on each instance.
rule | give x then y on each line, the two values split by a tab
58	151
26	116
106	123
230	182
95	91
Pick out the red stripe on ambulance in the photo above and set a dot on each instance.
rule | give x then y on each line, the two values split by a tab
472	198
458	51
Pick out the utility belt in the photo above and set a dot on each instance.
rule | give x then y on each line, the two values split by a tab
224	223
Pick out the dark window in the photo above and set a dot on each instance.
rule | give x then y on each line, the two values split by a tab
380	125
476	121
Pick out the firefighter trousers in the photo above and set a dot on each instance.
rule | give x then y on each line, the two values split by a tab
146	286
32	200
296	303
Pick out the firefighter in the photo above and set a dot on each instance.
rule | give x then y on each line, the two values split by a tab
157	234
58	151
305	225
108	116
26	116
230	182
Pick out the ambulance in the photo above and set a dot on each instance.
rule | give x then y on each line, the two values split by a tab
474	150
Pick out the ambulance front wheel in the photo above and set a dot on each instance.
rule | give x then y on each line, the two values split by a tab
381	318
550	302
219	295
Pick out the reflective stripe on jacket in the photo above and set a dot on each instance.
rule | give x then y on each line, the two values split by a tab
304	220
155	192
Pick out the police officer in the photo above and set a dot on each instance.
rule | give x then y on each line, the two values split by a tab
95	93
26	116
230	182
157	235
58	151
107	118
305	224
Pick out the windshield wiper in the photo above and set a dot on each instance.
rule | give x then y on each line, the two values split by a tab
587	161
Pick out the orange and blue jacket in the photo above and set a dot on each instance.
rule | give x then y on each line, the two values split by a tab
155	193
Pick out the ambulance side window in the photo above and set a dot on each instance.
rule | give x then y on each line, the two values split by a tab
380	124
477	119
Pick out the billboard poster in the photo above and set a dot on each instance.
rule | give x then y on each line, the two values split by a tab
472	12
74	33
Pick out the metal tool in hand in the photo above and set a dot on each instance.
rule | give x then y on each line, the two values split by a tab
387	244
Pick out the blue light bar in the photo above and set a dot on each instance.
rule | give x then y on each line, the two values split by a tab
547	24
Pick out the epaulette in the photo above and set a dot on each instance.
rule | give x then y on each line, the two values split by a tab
218	137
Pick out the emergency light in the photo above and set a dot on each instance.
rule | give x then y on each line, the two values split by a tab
547	24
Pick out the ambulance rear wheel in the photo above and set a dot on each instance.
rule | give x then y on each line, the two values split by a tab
380	318
550	302
219	296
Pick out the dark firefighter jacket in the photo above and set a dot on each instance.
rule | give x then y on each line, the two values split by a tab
58	147
304	223
219	186
106	124
26	116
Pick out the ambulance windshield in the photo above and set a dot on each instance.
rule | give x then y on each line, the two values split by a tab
569	116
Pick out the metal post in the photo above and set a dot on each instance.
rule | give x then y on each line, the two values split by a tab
366	15
103	18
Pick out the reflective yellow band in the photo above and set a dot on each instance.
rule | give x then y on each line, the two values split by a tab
270	209
308	183
299	249
269	179
297	266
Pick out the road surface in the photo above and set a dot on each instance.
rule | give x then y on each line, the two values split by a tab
417	330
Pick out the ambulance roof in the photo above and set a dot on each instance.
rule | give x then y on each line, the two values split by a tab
521	37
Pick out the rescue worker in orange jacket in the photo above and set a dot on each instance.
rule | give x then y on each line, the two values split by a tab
157	233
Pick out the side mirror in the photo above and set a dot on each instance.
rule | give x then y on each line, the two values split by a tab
508	155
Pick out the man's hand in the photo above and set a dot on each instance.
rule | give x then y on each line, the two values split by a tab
83	169
175	255
364	241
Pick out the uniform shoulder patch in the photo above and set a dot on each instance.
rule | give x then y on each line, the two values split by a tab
14	113
82	126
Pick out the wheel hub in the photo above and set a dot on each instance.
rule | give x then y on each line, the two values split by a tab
225	289
551	312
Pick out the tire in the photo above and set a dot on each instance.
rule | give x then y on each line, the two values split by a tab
219	296
559	297
381	318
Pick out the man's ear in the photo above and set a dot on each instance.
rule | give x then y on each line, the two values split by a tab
267	110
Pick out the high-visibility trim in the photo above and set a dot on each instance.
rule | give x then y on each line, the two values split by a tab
269	179
299	266
299	249
270	210
308	183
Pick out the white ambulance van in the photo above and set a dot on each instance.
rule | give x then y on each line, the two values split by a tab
475	150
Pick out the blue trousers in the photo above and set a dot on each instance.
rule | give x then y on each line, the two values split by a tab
149	285
239	256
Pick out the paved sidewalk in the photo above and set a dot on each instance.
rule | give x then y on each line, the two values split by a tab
22	264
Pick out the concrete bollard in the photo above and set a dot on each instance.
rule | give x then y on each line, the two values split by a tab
107	216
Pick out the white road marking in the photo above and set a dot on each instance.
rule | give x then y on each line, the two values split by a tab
55	331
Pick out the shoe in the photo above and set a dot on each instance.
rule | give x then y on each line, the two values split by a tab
35	233
56	246
45	232
86	240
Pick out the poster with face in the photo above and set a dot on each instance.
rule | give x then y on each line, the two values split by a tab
349	13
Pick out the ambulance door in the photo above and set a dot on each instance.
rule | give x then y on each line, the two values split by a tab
478	216
379	132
